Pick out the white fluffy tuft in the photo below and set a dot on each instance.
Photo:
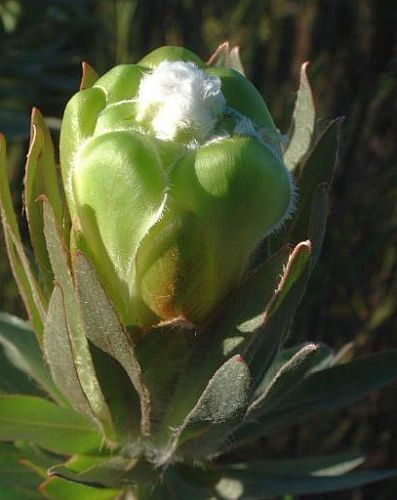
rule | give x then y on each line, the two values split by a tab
178	98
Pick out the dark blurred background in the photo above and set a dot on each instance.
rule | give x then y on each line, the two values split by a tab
352	48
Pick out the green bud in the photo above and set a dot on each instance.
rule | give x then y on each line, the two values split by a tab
172	181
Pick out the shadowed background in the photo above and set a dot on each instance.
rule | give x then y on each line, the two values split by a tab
352	45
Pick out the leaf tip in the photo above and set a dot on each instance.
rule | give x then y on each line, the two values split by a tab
43	198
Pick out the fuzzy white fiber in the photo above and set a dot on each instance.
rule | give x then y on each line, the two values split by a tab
178	98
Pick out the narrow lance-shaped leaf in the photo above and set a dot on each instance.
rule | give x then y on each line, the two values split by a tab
60	430
13	380
58	348
57	488
27	284
271	327
301	476
41	177
289	374
19	493
217	409
16	466
114	472
176	485
164	353
72	328
23	351
322	465
318	169
303	121
327	389
104	329
318	221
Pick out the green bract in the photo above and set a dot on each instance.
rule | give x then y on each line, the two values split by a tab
173	175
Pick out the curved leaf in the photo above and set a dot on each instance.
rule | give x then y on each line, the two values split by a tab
41	177
22	350
28	286
259	485
71	366
104	329
219	408
327	389
56	488
60	430
303	121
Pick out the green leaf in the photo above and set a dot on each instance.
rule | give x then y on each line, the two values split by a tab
28	287
323	359
303	121
23	352
13	381
57	429
242	484
204	351
56	488
18	493
322	465
61	356
14	472
219	408
327	389
164	356
120	395
176	485
58	348
104	330
318	221
116	472
71	365
41	177
270	328
284	379
241	313
318	169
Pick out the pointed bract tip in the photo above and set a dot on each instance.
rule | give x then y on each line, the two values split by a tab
223	47
88	77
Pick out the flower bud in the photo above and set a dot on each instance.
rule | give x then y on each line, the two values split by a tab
173	176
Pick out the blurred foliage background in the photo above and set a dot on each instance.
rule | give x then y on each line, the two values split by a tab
352	45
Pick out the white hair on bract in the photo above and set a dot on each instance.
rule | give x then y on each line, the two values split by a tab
178	98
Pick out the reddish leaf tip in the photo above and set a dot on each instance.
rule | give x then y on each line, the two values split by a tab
43	198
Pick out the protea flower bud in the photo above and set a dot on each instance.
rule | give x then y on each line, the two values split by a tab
173	176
